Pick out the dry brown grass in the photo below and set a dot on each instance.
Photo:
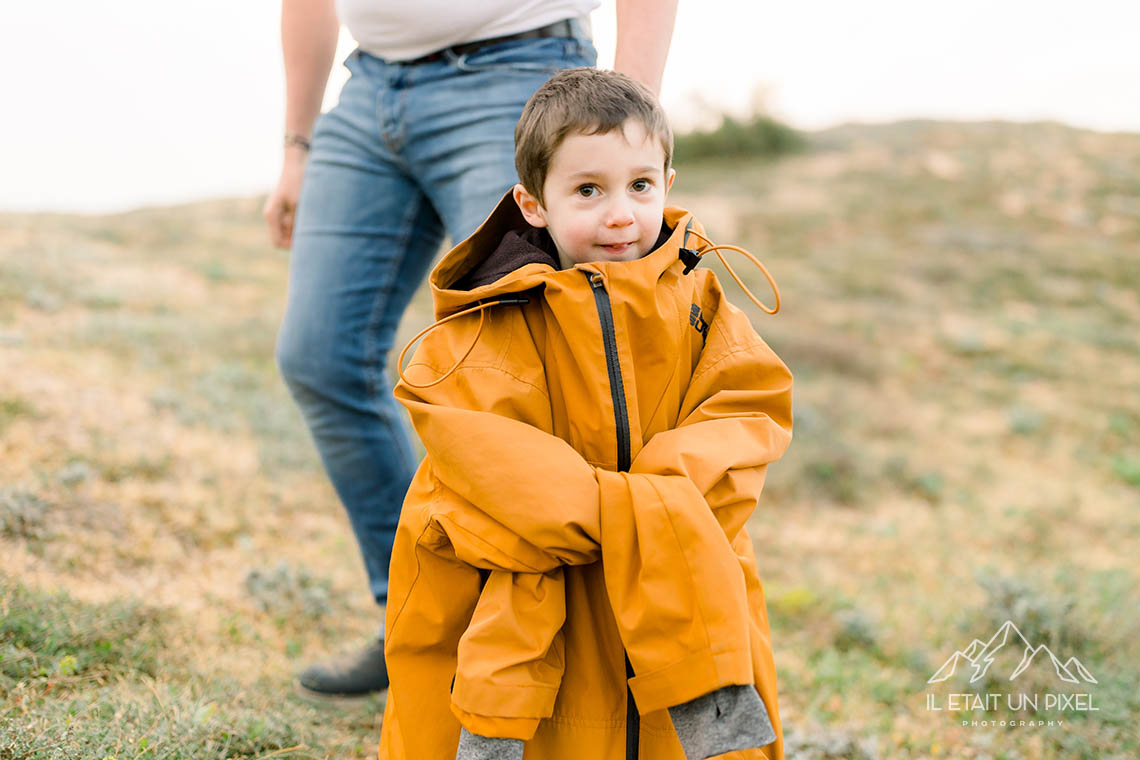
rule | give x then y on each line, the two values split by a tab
960	312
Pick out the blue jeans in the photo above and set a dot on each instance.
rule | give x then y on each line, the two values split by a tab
410	152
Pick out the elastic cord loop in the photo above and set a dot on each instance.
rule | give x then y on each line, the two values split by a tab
479	308
717	250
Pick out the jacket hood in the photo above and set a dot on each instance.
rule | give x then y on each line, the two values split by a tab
506	255
517	249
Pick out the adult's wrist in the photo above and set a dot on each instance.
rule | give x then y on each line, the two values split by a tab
298	141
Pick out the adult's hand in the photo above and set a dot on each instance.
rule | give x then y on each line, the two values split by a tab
281	205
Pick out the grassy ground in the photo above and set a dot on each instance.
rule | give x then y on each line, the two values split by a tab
960	305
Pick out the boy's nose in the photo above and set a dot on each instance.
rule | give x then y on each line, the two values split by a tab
619	215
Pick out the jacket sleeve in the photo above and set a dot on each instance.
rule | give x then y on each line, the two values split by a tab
487	434
690	490
735	420
510	659
498	618
492	458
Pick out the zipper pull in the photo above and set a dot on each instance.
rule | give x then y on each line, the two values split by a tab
596	281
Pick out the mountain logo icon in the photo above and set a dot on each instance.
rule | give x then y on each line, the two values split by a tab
980	655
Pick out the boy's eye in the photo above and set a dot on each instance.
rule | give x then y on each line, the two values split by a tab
640	185
587	191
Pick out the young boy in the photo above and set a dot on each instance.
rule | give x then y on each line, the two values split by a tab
604	403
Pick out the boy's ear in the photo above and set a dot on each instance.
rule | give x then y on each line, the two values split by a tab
531	209
669	180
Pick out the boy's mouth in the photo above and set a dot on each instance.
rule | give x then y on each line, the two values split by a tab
616	248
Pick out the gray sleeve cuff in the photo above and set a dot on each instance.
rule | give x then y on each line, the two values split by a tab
476	747
728	719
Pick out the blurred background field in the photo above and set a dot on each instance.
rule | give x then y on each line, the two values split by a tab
961	303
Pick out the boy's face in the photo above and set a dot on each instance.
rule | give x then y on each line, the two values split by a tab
604	195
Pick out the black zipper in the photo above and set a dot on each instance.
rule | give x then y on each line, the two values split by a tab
621	421
632	719
617	389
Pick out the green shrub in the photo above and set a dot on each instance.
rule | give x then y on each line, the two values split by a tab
1127	469
759	137
13	408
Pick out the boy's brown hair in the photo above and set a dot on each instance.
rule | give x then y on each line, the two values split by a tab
587	101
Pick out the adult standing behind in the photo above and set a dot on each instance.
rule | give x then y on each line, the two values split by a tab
419	145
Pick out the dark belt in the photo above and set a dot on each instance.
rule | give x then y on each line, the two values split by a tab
563	28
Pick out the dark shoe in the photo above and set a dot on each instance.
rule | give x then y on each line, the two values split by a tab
353	676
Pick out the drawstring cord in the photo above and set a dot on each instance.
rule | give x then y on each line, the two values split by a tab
691	258
479	308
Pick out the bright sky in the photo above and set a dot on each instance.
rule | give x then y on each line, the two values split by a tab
109	106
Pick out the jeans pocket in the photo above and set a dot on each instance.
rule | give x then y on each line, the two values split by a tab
546	54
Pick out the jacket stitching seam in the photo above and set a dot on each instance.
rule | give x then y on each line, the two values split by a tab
502	357
568	720
712	649
412	585
688	566
494	367
684	321
521	687
475	537
727	355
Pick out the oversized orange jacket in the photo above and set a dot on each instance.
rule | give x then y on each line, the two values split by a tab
582	426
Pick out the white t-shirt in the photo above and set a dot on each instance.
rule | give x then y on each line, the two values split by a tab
399	30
